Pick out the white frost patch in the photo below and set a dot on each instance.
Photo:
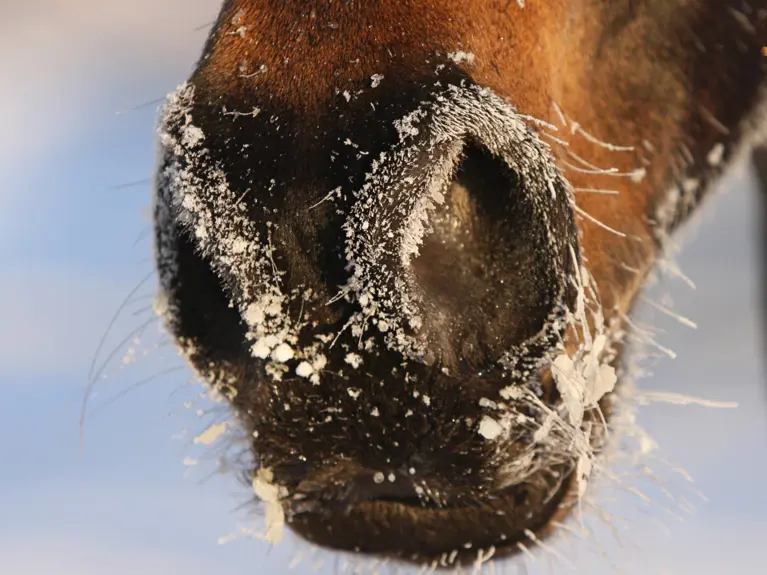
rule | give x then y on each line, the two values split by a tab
319	363
375	80
485	402
283	353
304	369
263	347
353	359
211	434
638	175
460	56
270	493
489	428
353	392
161	305
417	223
583	381
715	155
583	470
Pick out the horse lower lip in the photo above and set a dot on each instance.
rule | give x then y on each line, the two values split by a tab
420	534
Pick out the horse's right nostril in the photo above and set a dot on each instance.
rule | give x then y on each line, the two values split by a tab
484	280
463	238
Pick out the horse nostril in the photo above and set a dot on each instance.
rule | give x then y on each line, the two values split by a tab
463	238
484	281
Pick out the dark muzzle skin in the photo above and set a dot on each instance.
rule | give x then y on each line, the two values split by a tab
387	277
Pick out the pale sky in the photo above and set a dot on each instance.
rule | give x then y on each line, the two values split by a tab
72	247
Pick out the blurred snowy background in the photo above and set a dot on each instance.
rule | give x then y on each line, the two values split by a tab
74	241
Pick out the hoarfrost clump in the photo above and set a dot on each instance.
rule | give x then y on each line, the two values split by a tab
353	359
304	369
583	377
271	495
584	380
460	56
489	428
715	156
211	434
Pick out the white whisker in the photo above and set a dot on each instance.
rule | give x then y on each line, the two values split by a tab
578	129
681	319
549	549
576	157
522	547
539	122
560	114
681	399
594	171
596	191
592	219
559	141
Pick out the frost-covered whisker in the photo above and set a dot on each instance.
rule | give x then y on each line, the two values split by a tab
575	129
600	223
97	373
587	164
682	399
666	311
92	371
578	129
646	335
615	172
596	191
555	139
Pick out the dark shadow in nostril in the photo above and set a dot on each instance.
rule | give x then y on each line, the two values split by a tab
484	276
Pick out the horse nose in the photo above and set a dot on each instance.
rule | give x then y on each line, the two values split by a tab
463	239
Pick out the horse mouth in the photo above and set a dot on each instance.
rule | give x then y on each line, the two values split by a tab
406	529
487	495
532	489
